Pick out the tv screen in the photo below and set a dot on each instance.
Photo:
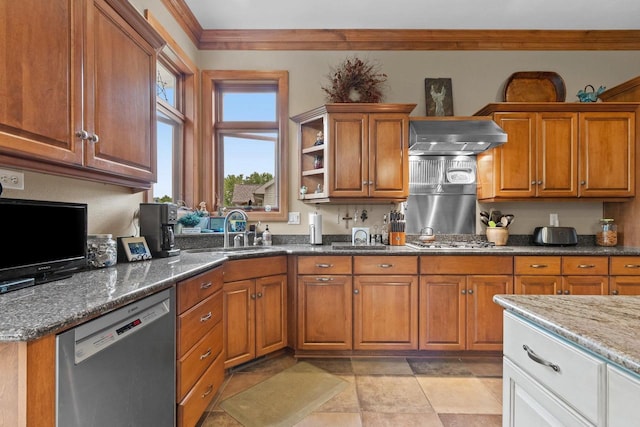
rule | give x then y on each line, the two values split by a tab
41	241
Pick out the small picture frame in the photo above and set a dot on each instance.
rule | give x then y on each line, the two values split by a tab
135	248
439	95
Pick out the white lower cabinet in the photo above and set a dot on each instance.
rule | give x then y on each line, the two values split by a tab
623	398
548	381
529	404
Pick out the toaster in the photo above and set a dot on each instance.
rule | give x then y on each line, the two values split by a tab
555	236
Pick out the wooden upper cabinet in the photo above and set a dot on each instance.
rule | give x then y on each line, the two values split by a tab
40	108
560	150
364	153
85	104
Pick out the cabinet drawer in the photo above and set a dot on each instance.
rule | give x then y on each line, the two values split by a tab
197	360
243	269
461	264
197	321
542	265
385	265
193	290
585	265
192	407
338	264
579	378
625	266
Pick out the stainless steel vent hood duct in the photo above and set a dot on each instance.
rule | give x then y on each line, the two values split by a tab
453	135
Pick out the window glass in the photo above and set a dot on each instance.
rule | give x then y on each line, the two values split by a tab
167	131
249	107
166	85
249	169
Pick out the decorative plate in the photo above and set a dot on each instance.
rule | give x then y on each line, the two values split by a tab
534	86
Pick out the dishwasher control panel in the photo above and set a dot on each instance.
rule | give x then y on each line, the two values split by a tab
87	346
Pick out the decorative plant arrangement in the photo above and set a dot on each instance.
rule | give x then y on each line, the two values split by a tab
355	80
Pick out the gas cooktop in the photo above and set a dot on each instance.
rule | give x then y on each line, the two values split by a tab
452	245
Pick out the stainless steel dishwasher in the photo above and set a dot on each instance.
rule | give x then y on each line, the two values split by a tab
119	369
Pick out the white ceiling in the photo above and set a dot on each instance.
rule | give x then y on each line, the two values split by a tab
418	14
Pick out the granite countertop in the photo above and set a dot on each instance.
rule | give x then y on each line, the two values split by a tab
606	325
31	313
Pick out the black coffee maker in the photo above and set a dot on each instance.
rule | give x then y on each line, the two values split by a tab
156	226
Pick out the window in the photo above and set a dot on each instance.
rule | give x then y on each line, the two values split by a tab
247	134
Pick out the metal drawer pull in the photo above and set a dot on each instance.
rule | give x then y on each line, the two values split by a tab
324	265
324	279
205	355
538	266
208	392
385	265
586	266
632	266
206	317
205	285
533	356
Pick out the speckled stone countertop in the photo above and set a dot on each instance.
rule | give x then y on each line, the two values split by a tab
606	325
31	313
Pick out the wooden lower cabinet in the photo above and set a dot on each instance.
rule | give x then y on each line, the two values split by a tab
567	275
325	312
457	311
199	344
254	309
625	276
385	312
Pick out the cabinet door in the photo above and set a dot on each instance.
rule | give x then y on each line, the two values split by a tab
538	285
40	108
119	96
388	155
557	155
238	316
585	285
607	154
385	312
348	146
442	312
271	314
325	312
623	398
624	285
484	317
514	165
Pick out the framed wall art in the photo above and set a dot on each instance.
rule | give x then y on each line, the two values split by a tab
439	94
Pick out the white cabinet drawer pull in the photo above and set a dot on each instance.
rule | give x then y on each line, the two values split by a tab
324	279
538	266
206	317
586	266
385	265
324	265
533	356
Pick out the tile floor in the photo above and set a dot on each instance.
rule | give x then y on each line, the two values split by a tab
430	392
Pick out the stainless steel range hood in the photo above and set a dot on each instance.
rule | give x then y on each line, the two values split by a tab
453	135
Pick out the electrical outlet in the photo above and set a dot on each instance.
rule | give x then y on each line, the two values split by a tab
294	218
12	179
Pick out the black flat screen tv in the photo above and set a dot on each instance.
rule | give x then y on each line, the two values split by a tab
40	241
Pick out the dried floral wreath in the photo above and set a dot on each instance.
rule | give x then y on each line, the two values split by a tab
355	80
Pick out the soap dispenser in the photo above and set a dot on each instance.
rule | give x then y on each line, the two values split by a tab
266	237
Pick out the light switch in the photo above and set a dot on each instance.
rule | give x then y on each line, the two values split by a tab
294	218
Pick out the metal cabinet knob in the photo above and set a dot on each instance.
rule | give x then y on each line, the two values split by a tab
356	291
539	182
615	292
470	291
583	182
567	292
559	292
94	138
82	134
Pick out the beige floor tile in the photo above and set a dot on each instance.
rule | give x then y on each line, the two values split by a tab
440	367
326	419
271	365
381	366
375	419
484	366
345	401
495	387
333	366
391	394
459	395
219	419
470	420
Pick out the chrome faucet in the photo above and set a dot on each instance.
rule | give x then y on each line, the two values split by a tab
227	217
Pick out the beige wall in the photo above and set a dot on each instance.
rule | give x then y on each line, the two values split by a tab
477	79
